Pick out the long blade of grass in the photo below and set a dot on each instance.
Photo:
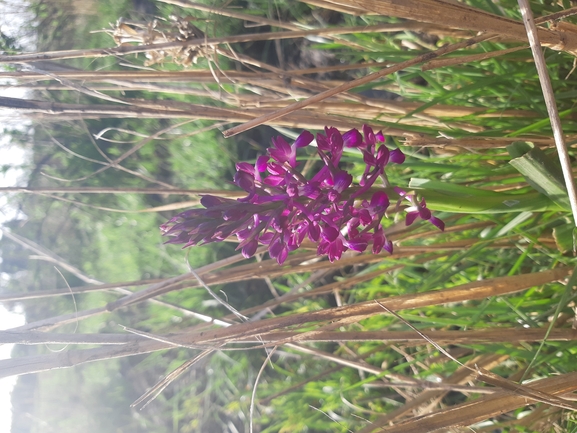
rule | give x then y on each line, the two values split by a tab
541	173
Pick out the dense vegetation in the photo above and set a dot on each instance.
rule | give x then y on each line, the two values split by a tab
116	152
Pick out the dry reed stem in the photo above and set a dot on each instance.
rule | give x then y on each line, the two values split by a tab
368	110
490	378
164	285
532	421
494	379
173	110
193	43
314	86
347	86
11	297
365	108
251	18
196	75
155	391
461	375
374	108
405	381
418	140
534	40
350	9
456	15
338	316
299	263
269	269
33	338
470	413
441	63
171	207
478	57
457	228
352	84
326	289
120	190
354	313
501	335
394	380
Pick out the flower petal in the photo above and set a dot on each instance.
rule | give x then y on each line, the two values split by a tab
250	248
274	180
282	256
424	213
304	139
209	201
314	232
352	138
330	233
383	155
261	163
380	200
397	156
323	142
335	250
437	223
245	166
281	151
358	244
342	180
400	191
411	217
369	136
388	246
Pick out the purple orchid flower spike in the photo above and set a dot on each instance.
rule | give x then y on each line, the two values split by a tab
282	207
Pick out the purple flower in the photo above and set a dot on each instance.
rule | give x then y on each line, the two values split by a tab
332	243
282	152
282	208
418	209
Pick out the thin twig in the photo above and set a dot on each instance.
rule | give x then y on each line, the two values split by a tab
155	391
253	394
114	190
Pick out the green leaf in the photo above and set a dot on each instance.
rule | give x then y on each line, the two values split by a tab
540	171
565	236
449	197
